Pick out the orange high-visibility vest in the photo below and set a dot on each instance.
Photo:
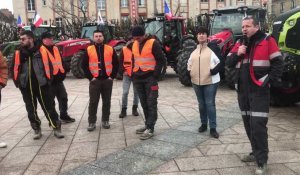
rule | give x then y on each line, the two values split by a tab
17	64
55	60
127	64
94	61
145	60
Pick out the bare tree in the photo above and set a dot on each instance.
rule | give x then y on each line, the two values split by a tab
8	27
68	10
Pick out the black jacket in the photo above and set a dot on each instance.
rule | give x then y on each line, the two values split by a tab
30	58
102	72
160	59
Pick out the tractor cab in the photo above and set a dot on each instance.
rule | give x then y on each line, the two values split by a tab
166	31
89	28
38	31
231	18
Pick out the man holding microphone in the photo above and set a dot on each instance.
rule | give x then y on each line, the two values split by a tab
258	64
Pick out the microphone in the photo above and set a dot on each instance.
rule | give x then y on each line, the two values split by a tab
245	40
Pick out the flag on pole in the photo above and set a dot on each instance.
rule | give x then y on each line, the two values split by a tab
19	21
37	20
99	19
168	12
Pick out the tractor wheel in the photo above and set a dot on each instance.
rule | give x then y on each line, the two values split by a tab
230	75
187	48
9	59
184	76
76	65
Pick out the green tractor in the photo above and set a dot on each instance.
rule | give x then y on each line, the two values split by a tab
9	48
286	31
172	35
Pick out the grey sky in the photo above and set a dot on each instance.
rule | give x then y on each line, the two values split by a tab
6	4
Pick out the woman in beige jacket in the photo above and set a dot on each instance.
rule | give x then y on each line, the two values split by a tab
204	66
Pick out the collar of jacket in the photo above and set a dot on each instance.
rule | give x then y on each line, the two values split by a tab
200	46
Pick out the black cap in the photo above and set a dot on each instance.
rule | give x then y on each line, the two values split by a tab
138	31
46	35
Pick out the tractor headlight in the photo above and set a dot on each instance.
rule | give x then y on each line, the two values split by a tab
291	23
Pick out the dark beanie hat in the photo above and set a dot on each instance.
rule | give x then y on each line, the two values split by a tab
138	31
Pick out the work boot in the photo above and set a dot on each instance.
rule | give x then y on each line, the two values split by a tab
135	111
141	130
248	158
202	128
105	125
148	133
91	127
57	131
123	113
3	145
261	170
37	134
65	118
214	133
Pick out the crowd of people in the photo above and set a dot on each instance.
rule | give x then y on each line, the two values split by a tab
39	74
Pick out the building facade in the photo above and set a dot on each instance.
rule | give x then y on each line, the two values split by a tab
51	10
280	6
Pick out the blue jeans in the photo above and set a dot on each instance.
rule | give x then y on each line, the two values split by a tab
206	95
126	86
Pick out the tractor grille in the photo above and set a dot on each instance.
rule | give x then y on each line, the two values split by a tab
293	36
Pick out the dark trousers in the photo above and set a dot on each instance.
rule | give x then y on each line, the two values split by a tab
254	104
31	94
147	90
58	90
104	88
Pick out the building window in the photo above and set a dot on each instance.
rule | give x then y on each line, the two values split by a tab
58	22
124	18
101	4
124	3
204	0
281	7
45	22
30	5
292	4
220	0
44	2
240	0
141	3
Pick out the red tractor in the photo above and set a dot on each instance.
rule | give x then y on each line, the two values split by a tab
71	50
225	29
172	35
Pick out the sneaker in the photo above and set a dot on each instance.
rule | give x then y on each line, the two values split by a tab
202	128
248	158
3	145
261	170
141	130
214	133
58	134
105	125
91	127
66	119
37	134
148	133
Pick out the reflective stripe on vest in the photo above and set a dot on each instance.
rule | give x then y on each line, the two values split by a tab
17	64
94	61
55	60
127	64
144	60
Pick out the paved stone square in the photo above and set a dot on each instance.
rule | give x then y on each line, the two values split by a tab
176	149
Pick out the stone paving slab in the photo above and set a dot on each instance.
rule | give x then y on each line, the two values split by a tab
177	111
